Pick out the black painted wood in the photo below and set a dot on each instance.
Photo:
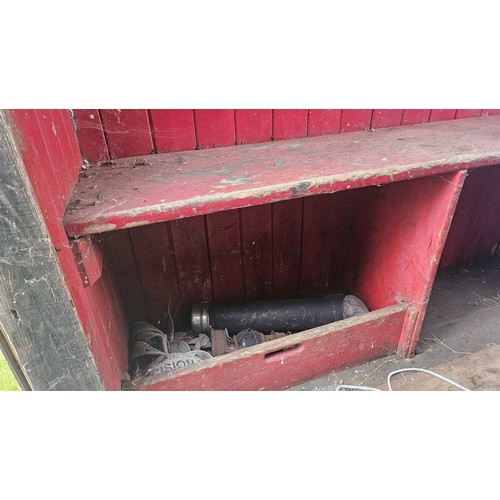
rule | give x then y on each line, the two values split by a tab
37	317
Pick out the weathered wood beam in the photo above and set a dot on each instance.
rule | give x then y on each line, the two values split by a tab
37	316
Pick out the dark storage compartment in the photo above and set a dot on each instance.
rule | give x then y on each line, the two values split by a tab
379	243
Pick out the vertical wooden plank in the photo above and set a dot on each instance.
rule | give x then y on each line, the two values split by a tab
225	255
115	319
484	233
387	222
323	121
447	202
64	144
413	116
90	135
256	229
57	164
315	239
37	164
355	119
467	113
173	129
442	114
383	118
489	242
287	215
68	125
214	127
289	123
103	322
490	111
189	238
463	219
127	132
363	238
287	242
120	259
158	273
253	125
339	239
59	177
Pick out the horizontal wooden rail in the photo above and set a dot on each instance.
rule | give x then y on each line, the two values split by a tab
143	190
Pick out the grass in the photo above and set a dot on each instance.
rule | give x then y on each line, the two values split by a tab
7	380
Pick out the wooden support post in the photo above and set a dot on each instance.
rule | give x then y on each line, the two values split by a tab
37	316
408	331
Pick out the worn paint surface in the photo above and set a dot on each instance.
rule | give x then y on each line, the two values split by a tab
355	119
386	118
323	121
396	240
172	129
127	131
445	207
310	354
91	138
253	125
171	186
50	154
37	316
180	259
413	116
289	123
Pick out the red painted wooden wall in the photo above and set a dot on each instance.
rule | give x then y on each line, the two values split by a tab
50	152
283	249
105	134
297	252
475	232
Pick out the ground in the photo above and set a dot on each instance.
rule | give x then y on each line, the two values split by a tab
7	380
460	337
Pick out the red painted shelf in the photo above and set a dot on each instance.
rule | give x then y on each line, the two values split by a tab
143	190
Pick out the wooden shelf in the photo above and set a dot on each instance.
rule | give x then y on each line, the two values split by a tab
143	190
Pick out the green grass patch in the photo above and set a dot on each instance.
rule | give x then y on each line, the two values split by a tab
7	380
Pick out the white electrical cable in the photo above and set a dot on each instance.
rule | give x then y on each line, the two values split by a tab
424	371
341	387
